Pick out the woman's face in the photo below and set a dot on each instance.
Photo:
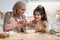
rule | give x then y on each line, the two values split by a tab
21	10
37	16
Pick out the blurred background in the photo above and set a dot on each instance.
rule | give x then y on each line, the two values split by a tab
52	8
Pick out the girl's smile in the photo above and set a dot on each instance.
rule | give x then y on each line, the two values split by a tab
37	16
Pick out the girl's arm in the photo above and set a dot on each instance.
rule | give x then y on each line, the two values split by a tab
45	24
43	28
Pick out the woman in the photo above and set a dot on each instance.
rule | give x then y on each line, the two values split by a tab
15	20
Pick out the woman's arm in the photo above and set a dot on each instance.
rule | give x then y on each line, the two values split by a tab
7	23
10	26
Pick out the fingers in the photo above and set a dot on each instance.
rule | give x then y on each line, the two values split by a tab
23	22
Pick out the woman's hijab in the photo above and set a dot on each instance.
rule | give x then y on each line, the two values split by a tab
17	6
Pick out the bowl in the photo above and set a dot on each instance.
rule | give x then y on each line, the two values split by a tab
30	31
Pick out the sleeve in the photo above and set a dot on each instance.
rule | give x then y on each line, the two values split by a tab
44	26
7	23
7	18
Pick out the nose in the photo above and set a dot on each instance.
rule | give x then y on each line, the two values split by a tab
23	11
36	16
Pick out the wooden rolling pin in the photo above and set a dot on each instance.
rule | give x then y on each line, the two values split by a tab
4	35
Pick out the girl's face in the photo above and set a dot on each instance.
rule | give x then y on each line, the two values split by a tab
37	16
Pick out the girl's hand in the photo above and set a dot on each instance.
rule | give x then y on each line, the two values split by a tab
38	29
43	30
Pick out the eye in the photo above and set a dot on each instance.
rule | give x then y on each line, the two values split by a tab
22	9
38	14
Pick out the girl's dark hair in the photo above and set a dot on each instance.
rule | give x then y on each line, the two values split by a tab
42	12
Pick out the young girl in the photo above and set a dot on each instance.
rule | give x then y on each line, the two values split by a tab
40	20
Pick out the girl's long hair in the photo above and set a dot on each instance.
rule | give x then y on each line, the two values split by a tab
42	12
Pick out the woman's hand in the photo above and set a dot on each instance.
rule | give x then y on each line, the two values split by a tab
23	22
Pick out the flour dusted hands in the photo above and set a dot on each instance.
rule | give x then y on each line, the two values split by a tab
23	22
38	28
